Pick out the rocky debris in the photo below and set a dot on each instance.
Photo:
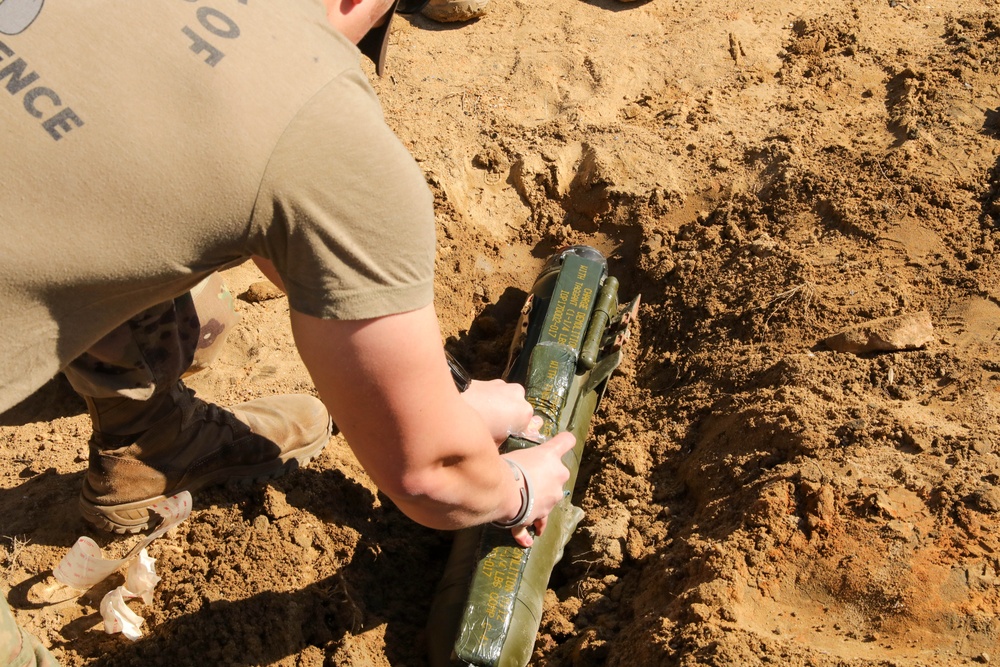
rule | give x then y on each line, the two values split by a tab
910	331
263	290
453	11
275	505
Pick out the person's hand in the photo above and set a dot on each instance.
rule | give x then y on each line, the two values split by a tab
502	406
544	467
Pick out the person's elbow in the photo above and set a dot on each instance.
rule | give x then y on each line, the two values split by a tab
432	497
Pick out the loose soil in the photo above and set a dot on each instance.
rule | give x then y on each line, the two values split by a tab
765	174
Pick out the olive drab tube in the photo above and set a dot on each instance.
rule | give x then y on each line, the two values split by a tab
488	605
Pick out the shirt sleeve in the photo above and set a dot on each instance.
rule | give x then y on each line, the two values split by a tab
344	212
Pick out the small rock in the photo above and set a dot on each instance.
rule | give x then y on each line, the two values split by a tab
701	612
763	246
303	536
261	523
981	447
263	290
879	503
655	242
444	11
900	529
890	334
986	500
275	504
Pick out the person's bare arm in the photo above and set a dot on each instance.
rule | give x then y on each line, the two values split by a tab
387	385
500	404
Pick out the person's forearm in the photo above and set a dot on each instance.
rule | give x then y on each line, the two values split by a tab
387	385
446	474
465	488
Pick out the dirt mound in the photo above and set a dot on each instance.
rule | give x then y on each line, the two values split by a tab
765	177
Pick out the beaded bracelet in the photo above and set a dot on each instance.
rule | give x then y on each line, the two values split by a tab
527	498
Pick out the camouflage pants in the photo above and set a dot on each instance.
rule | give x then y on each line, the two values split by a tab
154	349
148	353
17	647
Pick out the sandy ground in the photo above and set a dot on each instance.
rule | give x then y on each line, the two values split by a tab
766	175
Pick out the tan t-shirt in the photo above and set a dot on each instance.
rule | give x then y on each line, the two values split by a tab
147	144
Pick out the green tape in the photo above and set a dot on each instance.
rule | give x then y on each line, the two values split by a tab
492	597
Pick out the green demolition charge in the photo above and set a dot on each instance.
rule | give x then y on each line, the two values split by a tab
488	605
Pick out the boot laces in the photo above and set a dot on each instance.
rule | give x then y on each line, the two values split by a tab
207	411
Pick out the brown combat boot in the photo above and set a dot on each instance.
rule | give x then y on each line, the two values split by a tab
144	451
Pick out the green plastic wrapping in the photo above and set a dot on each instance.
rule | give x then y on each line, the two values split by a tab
487	609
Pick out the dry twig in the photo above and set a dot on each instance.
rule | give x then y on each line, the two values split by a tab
13	552
781	300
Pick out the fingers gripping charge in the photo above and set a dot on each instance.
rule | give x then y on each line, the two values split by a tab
550	475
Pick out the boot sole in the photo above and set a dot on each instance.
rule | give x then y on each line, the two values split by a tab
134	517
